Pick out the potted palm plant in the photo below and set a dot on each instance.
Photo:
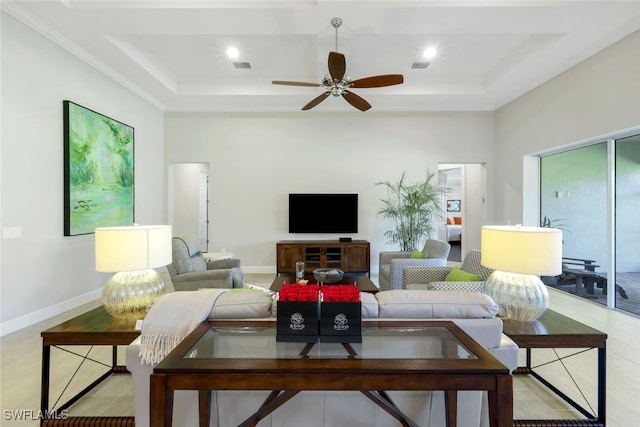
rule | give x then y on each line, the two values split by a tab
414	208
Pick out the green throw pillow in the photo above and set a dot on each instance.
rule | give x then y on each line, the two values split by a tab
457	275
416	254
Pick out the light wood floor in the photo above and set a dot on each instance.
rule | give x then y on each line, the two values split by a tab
20	358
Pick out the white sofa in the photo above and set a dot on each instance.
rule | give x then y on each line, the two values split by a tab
473	312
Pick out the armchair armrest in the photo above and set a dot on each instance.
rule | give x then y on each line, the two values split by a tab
193	281
223	263
387	256
398	265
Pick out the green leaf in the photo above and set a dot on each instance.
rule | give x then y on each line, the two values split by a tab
414	209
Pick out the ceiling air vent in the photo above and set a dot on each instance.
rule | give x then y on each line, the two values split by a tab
420	64
242	65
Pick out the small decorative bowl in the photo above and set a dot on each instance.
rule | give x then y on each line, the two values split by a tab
328	275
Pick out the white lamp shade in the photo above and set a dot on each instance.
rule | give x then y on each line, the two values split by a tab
120	249
524	250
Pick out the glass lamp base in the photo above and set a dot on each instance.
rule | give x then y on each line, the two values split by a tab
128	295
520	297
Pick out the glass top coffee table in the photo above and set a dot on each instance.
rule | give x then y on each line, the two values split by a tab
416	355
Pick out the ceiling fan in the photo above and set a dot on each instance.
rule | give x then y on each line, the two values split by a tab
337	83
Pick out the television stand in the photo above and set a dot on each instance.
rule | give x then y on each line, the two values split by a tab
351	257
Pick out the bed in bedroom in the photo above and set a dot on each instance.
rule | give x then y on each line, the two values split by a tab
454	229
454	233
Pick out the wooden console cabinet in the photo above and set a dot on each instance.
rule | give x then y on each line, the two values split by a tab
351	257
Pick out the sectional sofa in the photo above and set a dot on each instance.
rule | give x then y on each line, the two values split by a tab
473	312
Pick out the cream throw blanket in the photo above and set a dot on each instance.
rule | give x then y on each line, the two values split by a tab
171	318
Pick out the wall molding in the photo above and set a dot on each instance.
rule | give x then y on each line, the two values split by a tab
32	318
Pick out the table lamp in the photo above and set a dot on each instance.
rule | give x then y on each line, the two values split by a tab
519	255
132	253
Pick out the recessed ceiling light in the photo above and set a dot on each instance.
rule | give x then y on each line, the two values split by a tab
233	53
429	52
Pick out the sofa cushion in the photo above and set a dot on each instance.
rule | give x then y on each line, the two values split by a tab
186	255
198	262
242	305
369	305
419	304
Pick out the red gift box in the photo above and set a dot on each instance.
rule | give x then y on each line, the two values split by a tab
297	318
340	314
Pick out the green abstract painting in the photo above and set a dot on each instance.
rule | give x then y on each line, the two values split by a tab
98	171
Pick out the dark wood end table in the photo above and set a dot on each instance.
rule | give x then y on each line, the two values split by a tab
96	327
554	330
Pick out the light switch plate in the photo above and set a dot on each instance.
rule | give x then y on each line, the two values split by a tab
11	232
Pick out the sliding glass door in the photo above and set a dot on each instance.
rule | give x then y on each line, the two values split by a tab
592	193
627	223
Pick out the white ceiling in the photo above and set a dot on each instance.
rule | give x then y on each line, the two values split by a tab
172	53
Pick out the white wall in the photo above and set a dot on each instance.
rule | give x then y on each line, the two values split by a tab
256	160
44	273
599	96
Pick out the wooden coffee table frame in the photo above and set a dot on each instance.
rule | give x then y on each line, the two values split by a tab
96	327
286	377
554	330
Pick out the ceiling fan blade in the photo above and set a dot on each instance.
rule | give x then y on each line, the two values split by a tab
289	83
356	101
337	65
315	101
378	81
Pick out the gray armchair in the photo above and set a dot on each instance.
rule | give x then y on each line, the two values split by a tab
433	279
392	264
189	271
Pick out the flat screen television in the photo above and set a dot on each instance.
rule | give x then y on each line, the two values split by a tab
323	213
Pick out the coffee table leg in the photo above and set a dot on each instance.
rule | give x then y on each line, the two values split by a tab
204	407
501	402
602	384
161	402
44	385
451	407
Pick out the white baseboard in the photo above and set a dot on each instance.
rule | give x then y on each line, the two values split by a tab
48	312
259	269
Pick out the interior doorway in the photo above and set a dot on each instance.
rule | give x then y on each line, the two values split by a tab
463	207
188	199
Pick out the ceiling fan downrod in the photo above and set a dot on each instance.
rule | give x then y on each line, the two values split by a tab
336	22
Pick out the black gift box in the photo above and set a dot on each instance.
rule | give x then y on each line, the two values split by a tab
297	321
340	322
